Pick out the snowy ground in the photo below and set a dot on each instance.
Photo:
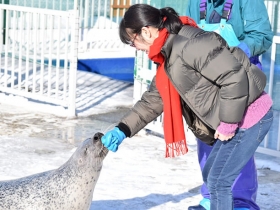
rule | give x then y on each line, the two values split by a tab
136	177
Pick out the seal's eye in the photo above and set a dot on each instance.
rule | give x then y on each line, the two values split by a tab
97	136
86	150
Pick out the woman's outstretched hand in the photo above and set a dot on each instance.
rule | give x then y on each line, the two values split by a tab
113	138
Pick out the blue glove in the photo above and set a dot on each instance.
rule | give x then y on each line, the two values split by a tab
113	138
245	49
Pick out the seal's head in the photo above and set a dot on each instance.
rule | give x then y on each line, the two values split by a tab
90	153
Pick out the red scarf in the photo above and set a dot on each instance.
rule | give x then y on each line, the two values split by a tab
173	128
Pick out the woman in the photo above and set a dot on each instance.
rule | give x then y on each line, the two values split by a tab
214	87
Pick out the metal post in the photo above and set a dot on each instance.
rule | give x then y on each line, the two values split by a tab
73	60
4	22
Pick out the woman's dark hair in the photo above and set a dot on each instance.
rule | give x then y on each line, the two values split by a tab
141	15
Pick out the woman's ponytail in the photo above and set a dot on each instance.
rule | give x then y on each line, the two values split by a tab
171	20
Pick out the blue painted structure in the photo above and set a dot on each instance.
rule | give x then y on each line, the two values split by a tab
116	68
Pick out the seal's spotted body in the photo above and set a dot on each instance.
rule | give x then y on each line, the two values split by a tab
68	187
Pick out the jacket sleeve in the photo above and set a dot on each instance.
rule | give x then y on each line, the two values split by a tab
193	10
257	33
211	57
148	108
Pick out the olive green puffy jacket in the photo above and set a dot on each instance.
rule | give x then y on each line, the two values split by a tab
215	81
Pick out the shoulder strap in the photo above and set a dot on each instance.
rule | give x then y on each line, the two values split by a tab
226	9
202	9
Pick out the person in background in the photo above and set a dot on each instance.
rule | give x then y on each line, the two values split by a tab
251	26
199	77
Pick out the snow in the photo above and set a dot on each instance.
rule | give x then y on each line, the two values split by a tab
137	176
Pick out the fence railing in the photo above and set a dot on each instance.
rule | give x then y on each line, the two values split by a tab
271	143
41	42
98	19
33	44
273	14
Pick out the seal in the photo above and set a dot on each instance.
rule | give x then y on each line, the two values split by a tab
68	187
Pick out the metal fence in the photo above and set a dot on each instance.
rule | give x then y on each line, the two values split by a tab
274	14
41	41
33	44
271	143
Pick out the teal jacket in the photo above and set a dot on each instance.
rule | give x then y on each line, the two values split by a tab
249	20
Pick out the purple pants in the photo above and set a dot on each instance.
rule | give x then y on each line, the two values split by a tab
255	60
244	189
